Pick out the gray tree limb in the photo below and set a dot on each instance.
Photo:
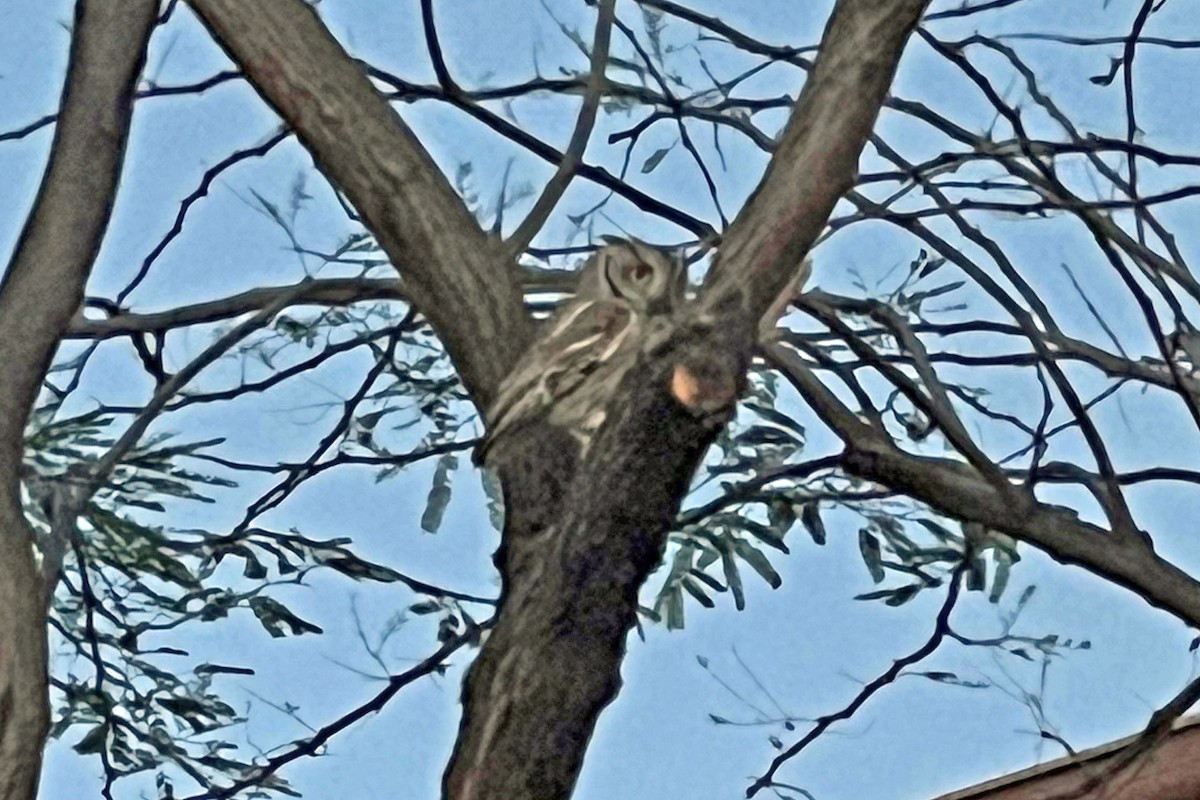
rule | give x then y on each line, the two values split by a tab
960	491
552	663
582	537
316	292
816	161
39	294
457	275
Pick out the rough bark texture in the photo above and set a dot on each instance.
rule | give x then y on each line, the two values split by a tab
553	661
816	161
41	291
580	538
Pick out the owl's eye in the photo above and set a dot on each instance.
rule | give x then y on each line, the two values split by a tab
640	272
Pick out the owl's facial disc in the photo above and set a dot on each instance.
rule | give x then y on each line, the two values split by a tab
641	276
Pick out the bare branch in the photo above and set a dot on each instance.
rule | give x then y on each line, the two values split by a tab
960	492
573	155
941	629
817	157
210	175
435	663
598	175
327	291
457	276
130	437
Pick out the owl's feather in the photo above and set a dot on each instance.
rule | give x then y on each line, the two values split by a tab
568	373
574	350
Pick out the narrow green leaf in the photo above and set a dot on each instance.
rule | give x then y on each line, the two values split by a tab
868	546
425	607
758	562
213	669
707	580
734	579
439	494
940	531
93	741
278	619
254	569
768	536
354	567
893	597
654	160
693	588
999	579
977	575
782	515
674	603
1026	595
810	517
903	594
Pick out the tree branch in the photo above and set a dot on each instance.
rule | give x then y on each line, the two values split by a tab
817	158
39	294
323	292
458	277
573	155
941	630
435	663
582	536
959	491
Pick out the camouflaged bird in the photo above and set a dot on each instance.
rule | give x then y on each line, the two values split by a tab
567	375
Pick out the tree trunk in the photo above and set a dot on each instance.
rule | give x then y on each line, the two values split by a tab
24	709
576	551
40	292
580	537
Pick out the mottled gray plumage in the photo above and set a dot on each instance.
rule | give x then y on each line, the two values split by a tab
586	346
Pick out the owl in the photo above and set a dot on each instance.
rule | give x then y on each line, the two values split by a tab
586	346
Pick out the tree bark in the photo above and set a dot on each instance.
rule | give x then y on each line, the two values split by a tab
580	538
576	553
455	273
816	161
39	294
962	492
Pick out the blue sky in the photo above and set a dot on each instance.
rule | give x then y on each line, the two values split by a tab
809	643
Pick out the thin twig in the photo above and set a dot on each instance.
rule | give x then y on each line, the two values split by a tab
573	154
940	631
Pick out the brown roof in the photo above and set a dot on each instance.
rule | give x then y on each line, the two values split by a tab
1171	771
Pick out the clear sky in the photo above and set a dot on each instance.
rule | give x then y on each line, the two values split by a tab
809	643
